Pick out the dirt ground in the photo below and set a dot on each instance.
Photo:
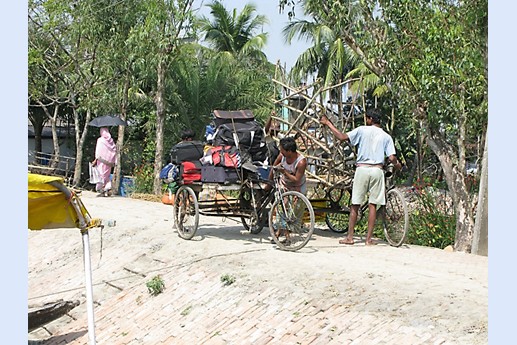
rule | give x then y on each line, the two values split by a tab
441	294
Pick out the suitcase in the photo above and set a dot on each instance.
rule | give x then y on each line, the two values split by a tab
218	174
232	116
232	175
187	151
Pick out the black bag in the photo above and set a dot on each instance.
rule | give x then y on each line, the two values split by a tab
260	154
187	151
232	175
250	135
272	151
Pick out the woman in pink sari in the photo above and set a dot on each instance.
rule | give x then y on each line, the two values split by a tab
105	159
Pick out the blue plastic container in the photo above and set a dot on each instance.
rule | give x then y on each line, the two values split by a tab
126	186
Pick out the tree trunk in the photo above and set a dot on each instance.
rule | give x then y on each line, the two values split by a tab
80	138
120	139
454	176
38	122
55	139
160	121
480	240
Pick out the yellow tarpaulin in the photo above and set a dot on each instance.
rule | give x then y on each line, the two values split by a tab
49	207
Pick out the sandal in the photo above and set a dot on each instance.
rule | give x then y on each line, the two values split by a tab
346	241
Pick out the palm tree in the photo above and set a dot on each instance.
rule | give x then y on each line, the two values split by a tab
329	58
232	33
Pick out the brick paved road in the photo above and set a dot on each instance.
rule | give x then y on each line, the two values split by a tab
323	294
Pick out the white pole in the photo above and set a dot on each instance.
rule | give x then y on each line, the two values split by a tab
89	287
83	223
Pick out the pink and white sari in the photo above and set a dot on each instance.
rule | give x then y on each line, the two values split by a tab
106	155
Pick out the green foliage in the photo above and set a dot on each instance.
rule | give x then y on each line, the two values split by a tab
431	222
144	178
156	285
233	32
227	279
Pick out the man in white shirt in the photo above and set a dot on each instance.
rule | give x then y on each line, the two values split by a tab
374	145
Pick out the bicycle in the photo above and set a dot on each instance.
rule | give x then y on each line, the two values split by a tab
291	217
394	215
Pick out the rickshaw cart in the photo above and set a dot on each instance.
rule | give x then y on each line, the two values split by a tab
251	197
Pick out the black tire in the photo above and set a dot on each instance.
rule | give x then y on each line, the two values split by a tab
186	212
340	199
252	224
249	202
295	217
337	222
395	218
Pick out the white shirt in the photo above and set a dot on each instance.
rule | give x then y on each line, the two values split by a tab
374	144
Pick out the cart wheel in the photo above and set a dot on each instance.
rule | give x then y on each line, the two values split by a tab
186	212
337	222
339	198
395	218
291	221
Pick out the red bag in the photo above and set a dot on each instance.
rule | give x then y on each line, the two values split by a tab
190	172
226	156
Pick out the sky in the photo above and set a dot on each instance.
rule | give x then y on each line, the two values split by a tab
276	48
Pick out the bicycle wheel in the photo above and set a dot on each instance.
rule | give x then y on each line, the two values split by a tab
186	212
339	198
291	221
255	222
395	218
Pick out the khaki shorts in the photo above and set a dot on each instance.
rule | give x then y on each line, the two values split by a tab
368	181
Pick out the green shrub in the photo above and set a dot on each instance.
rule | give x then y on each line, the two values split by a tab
155	286
227	279
144	178
431	223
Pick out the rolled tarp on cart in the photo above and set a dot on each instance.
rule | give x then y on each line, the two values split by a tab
51	205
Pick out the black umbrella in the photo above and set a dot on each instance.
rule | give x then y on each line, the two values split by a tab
107	121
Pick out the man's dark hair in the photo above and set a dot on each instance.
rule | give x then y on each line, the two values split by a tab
187	134
375	114
289	144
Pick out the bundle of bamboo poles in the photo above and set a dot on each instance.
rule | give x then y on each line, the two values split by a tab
330	162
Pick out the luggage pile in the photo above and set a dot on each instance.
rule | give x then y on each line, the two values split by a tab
239	129
185	156
236	138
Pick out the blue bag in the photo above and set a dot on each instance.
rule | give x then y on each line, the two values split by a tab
169	173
